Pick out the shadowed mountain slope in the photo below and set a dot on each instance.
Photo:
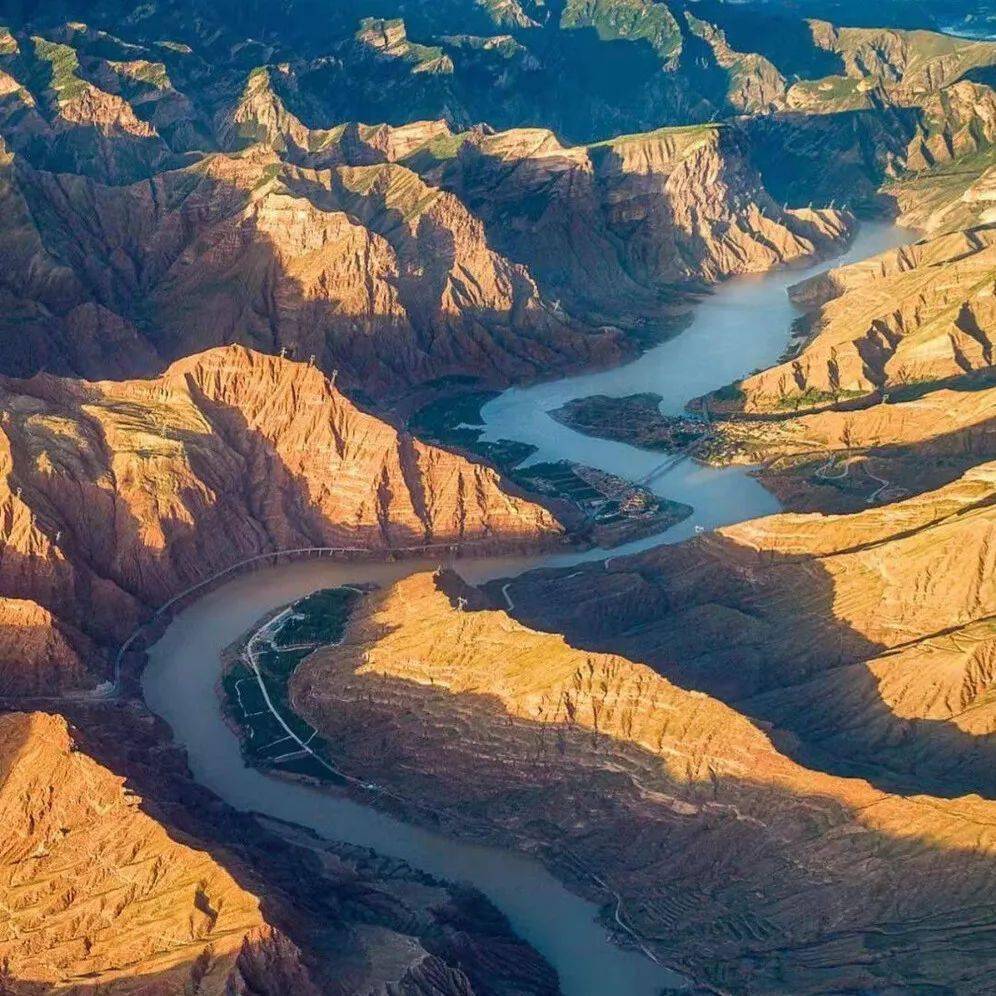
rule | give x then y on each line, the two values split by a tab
735	863
117	495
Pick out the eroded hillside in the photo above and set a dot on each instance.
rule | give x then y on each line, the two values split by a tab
119	494
736	863
99	896
866	635
146	884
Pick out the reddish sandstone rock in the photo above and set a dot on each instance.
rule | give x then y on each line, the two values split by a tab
116	495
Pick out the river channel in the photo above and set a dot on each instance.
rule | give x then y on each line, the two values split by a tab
744	325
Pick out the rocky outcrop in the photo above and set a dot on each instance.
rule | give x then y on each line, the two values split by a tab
959	195
920	149
710	838
907	64
958	122
117	495
363	922
756	85
37	657
611	227
97	894
148	884
396	275
387	280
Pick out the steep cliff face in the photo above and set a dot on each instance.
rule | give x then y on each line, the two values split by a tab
382	277
921	147
958	121
451	263
633	214
37	656
912	315
906	64
755	84
713	839
97	894
118	494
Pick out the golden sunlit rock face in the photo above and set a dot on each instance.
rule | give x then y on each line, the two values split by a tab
117	495
381	269
889	390
913	315
608	226
36	656
245	246
736	861
867	636
98	896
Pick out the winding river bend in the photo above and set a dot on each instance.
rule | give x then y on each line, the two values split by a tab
744	325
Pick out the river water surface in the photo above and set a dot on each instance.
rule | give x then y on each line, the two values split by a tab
744	325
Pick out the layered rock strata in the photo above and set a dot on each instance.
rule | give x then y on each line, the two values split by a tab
98	895
864	635
120	494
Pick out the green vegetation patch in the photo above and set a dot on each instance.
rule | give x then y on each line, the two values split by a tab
178	47
442	148
675	131
315	620
456	422
730	392
8	43
629	20
318	618
837	91
57	67
814	397
441	417
557	479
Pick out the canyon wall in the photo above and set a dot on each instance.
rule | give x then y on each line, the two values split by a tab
911	316
98	896
864	635
735	863
119	494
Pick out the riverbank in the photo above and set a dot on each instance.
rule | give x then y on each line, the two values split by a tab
254	690
180	679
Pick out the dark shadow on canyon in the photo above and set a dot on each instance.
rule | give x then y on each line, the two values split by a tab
792	149
577	81
714	869
242	499
193	265
322	895
758	631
